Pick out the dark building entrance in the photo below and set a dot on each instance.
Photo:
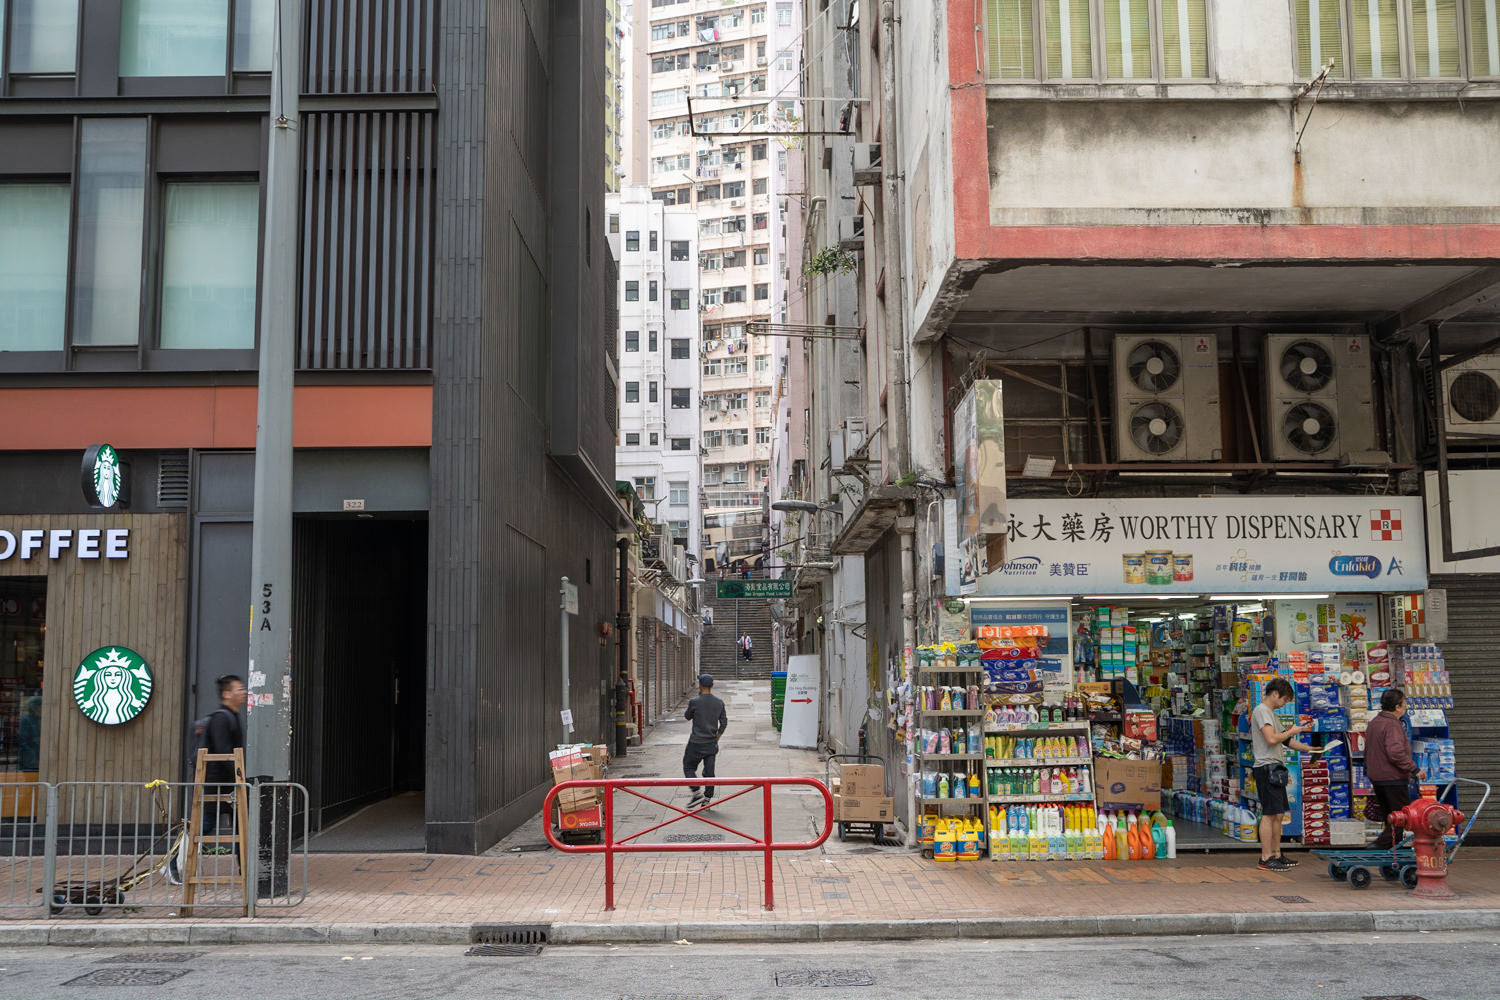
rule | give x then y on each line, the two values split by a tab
359	645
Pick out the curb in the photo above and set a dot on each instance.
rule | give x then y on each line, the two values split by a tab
245	932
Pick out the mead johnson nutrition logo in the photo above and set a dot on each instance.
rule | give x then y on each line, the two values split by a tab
112	685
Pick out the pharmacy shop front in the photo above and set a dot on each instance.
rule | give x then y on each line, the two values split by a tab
1101	676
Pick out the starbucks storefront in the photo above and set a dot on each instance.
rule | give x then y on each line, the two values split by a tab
91	649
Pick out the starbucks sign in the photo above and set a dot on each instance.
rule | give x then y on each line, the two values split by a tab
103	477
112	685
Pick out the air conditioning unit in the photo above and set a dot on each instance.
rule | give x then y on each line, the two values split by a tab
867	163
1319	400
1167	398
760	60
851	232
836	453
736	203
726	67
1471	396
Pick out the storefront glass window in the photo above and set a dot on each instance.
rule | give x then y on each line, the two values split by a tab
23	615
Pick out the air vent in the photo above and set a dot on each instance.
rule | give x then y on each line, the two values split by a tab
1153	366
172	480
1156	428
1309	428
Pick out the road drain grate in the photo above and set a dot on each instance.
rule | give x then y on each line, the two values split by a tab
1291	899
509	933
825	977
150	958
501	950
127	977
693	838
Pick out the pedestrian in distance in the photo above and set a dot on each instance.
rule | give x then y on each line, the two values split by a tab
1271	774
706	713
746	645
1388	763
220	732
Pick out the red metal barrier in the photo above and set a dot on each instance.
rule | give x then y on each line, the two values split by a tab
633	845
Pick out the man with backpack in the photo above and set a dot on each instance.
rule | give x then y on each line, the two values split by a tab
219	732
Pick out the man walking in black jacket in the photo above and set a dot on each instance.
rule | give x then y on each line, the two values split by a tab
706	712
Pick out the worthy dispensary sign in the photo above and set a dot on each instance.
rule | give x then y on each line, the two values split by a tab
1211	545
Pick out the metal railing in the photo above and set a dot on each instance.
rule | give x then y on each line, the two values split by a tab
632	844
121	846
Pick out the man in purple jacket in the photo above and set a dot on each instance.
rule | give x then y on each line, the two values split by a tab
1388	762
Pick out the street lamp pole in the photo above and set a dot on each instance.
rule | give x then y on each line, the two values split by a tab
269	679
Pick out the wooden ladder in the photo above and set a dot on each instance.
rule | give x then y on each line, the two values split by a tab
195	839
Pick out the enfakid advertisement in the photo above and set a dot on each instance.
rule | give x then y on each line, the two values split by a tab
1209	545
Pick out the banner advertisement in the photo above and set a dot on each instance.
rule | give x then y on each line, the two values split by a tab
1056	660
1210	545
979	460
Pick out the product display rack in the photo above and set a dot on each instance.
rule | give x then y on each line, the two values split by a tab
965	764
1076	727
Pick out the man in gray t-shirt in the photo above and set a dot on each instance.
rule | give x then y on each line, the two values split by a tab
1270	741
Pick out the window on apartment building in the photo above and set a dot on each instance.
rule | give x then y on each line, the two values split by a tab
632	392
663	130
710	331
758	16
651	341
632	291
653	243
33	266
1098	39
713	475
762	256
734	331
735	400
682	399
1439	41
682	444
759	185
713	439
681	349
632	340
734	293
677	493
762	220
763	363
763	399
652	394
736	474
682	298
633	439
709	227
44	37
737	437
713	261
713	366
652	292
708	192
762	435
762	470
786	62
679	531
758	151
762	291
655	439
713	296
632	240
681	249
646	487
784	14
667	98
614	223
734	189
736	365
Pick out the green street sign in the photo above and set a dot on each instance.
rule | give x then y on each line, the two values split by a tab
755	588
112	685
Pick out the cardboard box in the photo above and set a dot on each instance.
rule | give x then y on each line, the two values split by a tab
862	780
591	818
1127	784
573	799
864	809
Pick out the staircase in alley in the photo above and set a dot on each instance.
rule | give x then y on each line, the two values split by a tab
720	653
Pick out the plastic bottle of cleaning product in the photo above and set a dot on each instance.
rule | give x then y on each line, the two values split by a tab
1171	840
974	786
1159	839
1122	838
1133	839
1247	824
942	785
1110	845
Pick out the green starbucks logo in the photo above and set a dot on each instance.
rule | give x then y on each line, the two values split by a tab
112	685
102	476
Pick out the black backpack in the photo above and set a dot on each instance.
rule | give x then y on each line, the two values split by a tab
198	740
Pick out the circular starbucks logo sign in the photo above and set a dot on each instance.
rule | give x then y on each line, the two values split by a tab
101	476
112	685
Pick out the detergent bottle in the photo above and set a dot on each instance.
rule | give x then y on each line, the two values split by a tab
974	786
1133	840
1247	824
1158	836
1171	840
1122	838
1018	834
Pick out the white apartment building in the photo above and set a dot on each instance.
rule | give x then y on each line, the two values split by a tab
658	448
718	83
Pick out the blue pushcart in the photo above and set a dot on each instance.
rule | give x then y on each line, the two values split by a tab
1399	864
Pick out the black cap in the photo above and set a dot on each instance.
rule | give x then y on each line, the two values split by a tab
705	680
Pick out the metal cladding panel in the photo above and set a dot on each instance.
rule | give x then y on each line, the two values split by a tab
370	46
367	248
1469	655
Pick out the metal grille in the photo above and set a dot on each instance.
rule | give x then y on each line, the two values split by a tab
366	241
502	950
370	46
150	958
127	977
172	481
1469	655
1290	899
825	977
692	838
510	933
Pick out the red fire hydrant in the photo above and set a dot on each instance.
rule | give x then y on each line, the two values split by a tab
1428	820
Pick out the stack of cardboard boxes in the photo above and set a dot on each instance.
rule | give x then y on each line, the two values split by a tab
859	795
579	808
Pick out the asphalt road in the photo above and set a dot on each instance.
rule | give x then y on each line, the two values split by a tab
1435	966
